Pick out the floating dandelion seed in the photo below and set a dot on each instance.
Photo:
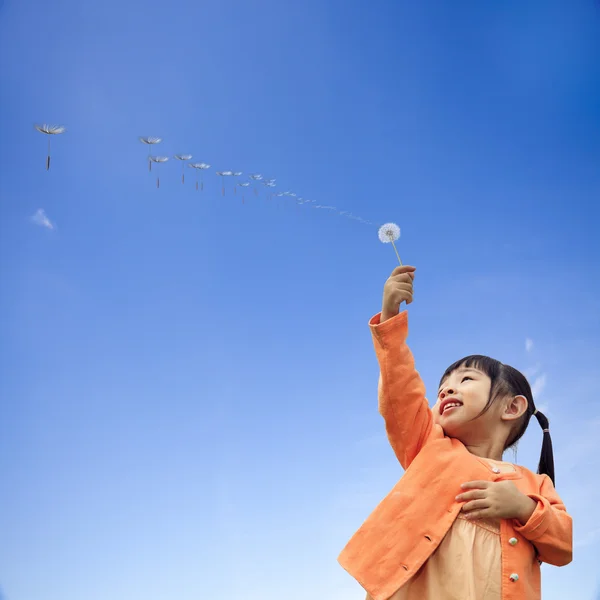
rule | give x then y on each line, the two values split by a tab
270	183
199	167
158	160
50	130
256	177
183	158
220	174
236	174
228	174
390	232
223	174
244	184
150	141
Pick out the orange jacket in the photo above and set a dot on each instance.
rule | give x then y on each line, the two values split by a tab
407	526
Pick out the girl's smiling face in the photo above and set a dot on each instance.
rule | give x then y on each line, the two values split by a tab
461	398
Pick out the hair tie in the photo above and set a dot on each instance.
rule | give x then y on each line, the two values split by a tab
535	412
546	430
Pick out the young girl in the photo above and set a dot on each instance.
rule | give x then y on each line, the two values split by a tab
461	524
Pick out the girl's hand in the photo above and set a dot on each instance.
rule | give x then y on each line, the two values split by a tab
496	499
397	289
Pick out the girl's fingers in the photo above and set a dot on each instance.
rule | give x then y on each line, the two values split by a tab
404	291
475	505
478	514
402	270
474	495
470	485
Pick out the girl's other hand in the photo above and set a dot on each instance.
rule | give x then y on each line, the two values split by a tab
496	499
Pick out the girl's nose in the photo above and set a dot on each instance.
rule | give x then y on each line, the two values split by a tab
446	392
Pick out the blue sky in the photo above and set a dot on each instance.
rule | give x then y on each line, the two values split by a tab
188	383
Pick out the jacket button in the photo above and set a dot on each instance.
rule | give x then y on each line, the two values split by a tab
496	470
513	541
514	577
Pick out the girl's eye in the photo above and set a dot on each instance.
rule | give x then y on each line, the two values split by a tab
466	377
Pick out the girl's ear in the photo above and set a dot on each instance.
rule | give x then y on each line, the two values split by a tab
515	408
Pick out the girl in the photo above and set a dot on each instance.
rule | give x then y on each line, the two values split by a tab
460	524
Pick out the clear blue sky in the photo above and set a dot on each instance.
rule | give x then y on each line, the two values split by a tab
188	384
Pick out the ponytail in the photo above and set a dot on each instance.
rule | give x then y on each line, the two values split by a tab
546	466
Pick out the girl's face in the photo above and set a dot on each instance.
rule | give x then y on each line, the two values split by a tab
461	398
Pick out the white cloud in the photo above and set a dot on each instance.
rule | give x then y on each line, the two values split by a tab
538	385
528	344
40	218
532	371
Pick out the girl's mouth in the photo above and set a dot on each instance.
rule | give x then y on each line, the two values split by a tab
449	405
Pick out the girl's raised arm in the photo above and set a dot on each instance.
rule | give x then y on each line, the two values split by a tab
401	392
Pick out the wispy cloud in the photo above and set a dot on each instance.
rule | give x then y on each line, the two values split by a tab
537	379
40	218
538	385
531	372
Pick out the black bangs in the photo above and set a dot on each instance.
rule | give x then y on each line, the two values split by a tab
490	366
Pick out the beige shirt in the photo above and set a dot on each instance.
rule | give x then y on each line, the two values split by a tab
467	565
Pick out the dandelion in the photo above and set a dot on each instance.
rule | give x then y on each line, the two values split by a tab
390	232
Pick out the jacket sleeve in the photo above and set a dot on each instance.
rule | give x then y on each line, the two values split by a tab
401	392
550	527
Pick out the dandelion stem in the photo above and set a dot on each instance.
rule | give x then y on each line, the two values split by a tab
396	252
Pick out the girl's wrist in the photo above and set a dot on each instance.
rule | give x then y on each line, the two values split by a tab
528	508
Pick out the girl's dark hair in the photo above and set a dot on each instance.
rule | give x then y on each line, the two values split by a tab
507	381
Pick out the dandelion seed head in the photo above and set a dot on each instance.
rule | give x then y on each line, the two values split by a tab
389	232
